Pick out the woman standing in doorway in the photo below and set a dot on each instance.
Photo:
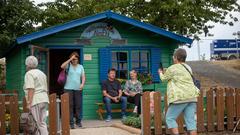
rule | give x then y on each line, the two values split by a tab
74	86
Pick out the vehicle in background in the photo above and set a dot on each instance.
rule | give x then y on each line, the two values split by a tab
225	49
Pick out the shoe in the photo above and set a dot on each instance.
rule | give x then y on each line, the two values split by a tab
135	109
109	118
124	117
79	124
72	127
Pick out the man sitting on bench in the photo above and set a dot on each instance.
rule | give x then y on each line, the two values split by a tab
112	93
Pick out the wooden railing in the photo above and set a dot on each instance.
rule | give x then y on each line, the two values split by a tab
218	111
12	106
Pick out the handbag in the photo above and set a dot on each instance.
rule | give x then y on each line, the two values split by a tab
62	77
195	81
28	123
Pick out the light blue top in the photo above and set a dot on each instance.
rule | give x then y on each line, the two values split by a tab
74	77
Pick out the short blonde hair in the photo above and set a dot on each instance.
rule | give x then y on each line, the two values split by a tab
31	62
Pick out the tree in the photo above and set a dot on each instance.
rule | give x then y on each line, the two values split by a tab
186	17
17	17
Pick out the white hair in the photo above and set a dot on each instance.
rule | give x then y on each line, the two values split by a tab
31	62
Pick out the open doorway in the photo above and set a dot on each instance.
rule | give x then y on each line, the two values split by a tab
57	57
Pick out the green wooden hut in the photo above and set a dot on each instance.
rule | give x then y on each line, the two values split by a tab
103	40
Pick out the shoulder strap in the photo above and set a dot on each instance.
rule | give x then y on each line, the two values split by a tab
187	70
68	66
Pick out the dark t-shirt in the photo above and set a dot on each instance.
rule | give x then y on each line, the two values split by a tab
111	87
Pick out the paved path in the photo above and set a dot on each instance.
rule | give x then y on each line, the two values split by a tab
99	131
98	127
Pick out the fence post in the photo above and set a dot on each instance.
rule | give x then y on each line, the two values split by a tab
200	114
237	91
230	108
146	113
2	116
220	109
52	115
65	114
25	109
166	108
14	116
180	122
210	112
157	113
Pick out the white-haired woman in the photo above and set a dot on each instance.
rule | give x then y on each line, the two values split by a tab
36	92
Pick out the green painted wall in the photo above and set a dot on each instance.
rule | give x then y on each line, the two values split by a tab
15	70
92	90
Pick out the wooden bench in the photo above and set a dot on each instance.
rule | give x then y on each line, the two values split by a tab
102	110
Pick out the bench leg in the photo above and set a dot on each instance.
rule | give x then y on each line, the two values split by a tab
100	114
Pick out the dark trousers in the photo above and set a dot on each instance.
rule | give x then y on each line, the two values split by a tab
75	105
136	100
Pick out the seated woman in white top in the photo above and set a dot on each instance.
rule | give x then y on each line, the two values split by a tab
132	90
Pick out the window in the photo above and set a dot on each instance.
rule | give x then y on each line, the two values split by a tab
120	63
124	61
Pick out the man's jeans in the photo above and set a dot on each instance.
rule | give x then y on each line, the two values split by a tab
108	102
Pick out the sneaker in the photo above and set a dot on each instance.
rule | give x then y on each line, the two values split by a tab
72	127
109	118
135	109
124	117
79	124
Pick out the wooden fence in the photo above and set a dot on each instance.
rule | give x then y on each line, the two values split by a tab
12	106
218	111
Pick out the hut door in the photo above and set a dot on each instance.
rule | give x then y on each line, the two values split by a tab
42	54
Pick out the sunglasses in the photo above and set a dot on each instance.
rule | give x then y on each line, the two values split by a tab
75	59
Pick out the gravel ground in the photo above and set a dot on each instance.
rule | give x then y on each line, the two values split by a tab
217	73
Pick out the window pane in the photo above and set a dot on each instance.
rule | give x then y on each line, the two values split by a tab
122	56
135	56
114	65
114	56
123	74
135	65
144	65
123	65
144	56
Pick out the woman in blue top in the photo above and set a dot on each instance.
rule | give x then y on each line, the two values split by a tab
74	86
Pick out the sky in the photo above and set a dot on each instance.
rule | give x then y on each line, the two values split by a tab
220	31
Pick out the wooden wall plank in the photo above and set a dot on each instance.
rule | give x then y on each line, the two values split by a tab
157	113
146	113
52	115
65	114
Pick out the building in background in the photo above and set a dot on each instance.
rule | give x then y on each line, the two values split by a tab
105	40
